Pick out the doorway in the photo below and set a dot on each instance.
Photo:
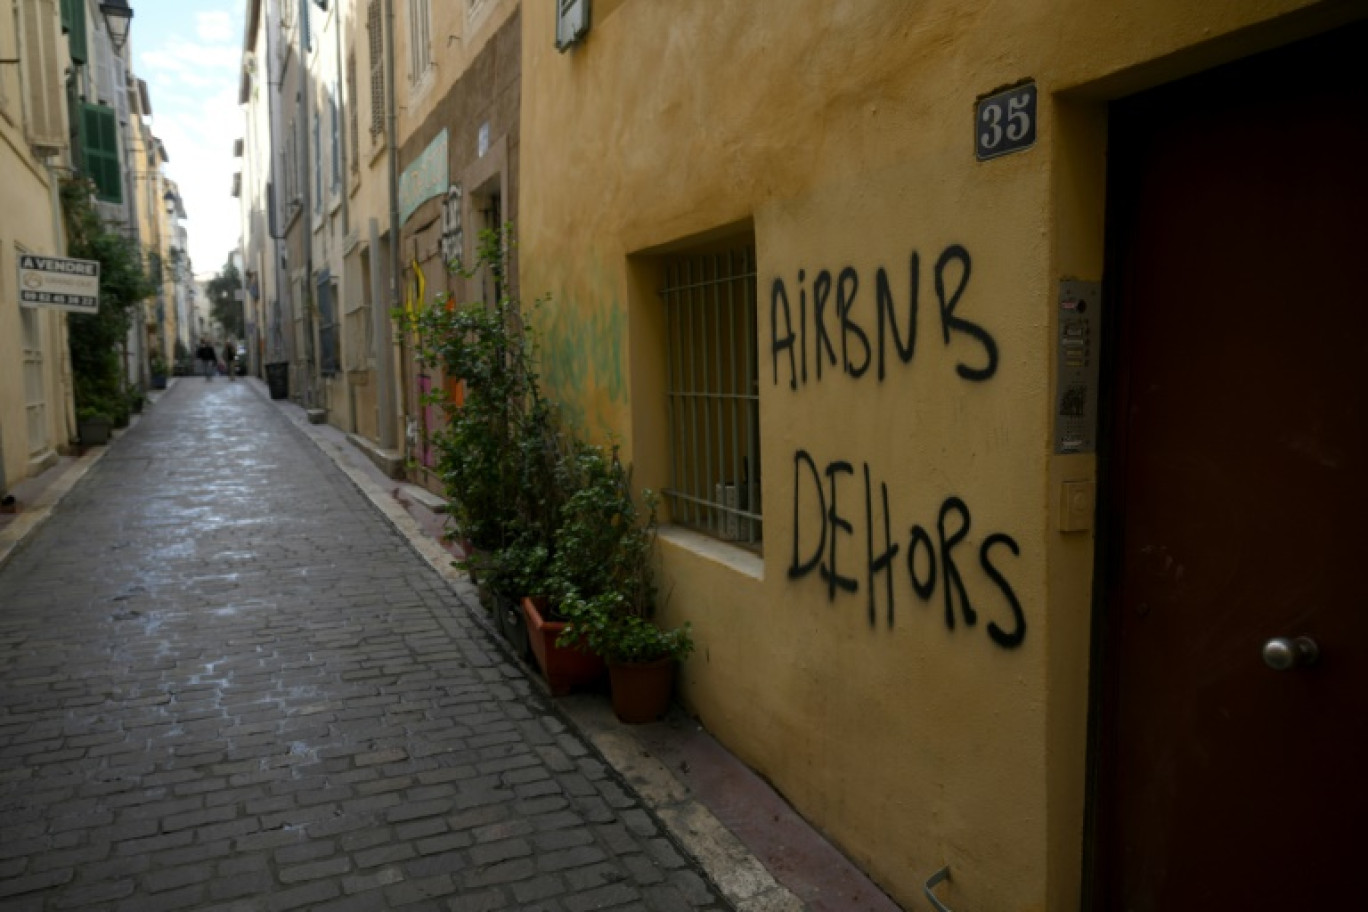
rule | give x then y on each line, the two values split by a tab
1235	472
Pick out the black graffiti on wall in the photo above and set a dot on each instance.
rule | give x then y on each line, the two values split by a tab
933	562
835	320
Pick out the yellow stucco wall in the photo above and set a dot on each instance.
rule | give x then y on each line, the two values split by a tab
841	134
28	189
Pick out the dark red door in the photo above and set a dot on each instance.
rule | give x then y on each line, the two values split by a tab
1238	490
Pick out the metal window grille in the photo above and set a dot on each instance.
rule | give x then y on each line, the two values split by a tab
317	163
353	129
375	37
334	120
713	392
290	170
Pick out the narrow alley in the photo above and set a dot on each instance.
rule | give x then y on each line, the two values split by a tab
227	682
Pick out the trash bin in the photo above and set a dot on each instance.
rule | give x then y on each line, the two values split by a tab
278	379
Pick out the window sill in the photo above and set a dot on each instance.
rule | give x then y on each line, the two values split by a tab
734	557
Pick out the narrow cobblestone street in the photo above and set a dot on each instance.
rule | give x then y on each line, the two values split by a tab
226	682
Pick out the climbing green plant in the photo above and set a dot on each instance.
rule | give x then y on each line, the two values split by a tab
95	339
499	449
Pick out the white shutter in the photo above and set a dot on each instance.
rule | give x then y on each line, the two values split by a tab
572	22
44	76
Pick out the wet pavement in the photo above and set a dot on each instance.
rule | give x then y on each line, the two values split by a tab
228	682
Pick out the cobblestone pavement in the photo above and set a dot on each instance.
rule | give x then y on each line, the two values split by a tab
227	683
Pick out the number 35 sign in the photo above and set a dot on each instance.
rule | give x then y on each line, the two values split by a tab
1005	122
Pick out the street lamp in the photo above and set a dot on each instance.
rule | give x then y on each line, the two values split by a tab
171	200
117	16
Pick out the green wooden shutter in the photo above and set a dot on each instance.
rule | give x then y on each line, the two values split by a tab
100	133
74	24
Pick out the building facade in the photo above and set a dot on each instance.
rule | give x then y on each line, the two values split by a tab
69	108
36	419
458	152
957	338
950	333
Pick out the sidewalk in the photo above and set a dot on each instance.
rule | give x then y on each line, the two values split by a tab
761	854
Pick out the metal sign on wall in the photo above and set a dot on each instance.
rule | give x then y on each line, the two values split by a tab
59	282
1005	122
425	178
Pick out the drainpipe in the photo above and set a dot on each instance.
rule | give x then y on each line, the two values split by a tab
306	91
277	349
387	386
344	174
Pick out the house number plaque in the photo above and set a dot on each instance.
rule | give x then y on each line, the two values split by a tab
1005	122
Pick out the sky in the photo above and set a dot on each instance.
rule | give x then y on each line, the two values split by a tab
189	52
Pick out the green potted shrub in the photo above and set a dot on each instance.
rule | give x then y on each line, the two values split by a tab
499	450
156	365
594	518
641	656
482	345
93	425
606	587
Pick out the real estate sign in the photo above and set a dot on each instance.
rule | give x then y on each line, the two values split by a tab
59	282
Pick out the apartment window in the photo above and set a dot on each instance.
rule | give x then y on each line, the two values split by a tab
376	39
353	121
357	331
712	390
318	163
100	150
335	130
42	75
35	394
292	194
420	39
327	323
74	24
8	50
303	327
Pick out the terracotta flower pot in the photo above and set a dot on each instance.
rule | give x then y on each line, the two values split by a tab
641	690
564	667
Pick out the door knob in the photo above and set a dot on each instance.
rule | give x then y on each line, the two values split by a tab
1288	653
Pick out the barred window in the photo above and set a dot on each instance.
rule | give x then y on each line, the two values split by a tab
376	35
353	121
712	387
289	196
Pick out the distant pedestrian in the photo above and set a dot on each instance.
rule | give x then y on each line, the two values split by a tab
230	358
206	356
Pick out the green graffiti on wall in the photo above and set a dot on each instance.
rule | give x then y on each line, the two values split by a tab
582	361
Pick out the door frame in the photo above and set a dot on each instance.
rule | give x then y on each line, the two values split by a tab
1112	449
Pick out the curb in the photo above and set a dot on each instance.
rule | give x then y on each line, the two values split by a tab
37	511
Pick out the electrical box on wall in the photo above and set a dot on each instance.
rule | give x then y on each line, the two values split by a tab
1077	350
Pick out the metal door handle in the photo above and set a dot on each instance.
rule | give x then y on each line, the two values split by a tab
1286	654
